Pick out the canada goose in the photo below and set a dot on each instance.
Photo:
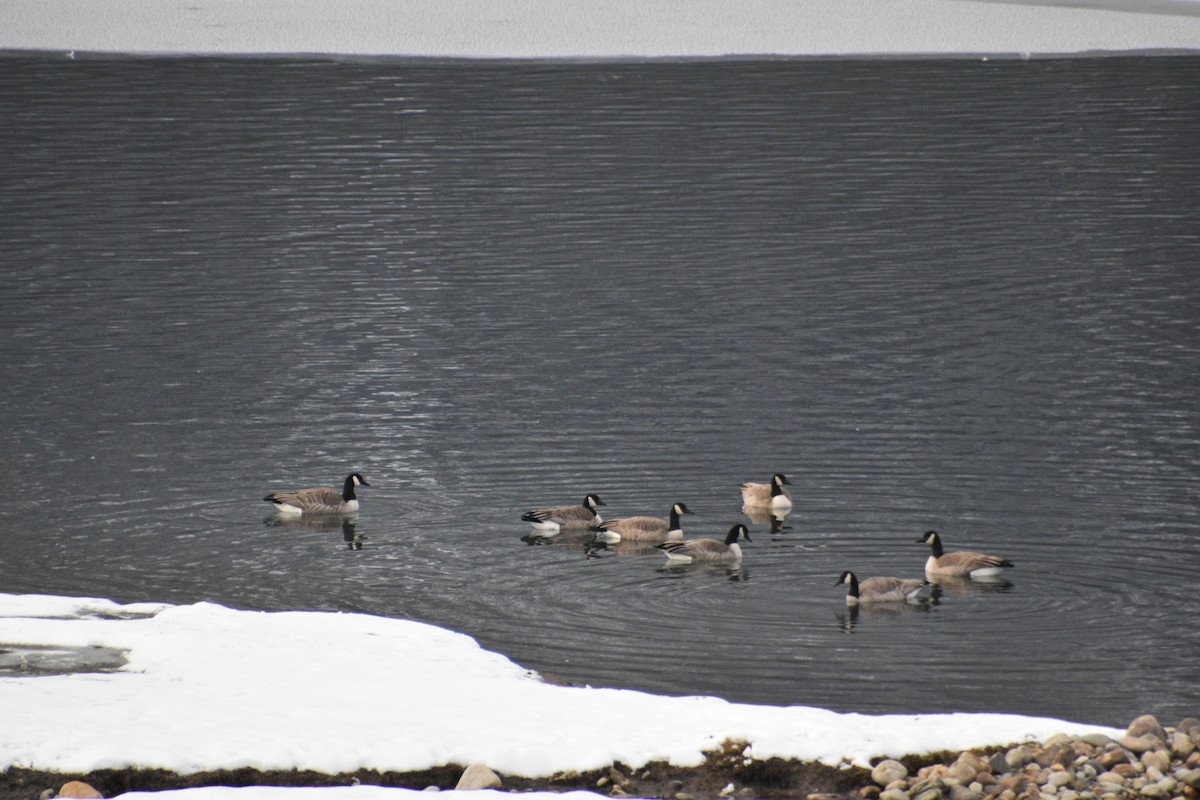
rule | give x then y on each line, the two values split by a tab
643	529
707	549
884	590
320	500
550	521
961	563
769	495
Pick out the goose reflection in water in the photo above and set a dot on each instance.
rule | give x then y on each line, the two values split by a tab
964	585
575	539
847	618
767	516
600	549
736	573
353	539
326	523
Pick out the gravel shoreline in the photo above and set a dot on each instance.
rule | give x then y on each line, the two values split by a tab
1151	762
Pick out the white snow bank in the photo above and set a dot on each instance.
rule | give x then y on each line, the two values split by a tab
207	687
597	28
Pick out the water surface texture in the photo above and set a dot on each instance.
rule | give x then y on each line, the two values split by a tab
938	294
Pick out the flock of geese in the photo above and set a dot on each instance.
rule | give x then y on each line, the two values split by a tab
667	535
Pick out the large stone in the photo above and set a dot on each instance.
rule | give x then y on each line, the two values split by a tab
1155	790
961	792
1160	759
1140	744
965	768
1146	725
78	789
1017	757
1182	745
1054	754
888	771
1096	739
931	788
478	776
1059	779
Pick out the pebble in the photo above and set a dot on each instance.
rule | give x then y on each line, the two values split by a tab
1146	725
1149	762
1059	779
478	776
888	771
1017	757
1182	745
78	789
927	789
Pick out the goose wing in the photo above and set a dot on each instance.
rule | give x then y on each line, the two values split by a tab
631	525
969	562
309	499
886	589
756	494
697	549
563	515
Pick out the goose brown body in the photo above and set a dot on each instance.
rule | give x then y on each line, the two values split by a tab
320	500
558	518
643	528
768	495
960	563
711	550
884	589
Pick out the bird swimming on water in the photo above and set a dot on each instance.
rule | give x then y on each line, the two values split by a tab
550	521
884	590
709	550
321	499
768	495
643	529
960	563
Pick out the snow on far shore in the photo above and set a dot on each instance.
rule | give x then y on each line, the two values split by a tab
207	687
598	28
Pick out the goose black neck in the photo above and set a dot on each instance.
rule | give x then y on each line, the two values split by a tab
348	488
674	518
776	488
853	585
935	544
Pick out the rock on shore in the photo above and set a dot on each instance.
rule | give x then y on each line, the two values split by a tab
1149	763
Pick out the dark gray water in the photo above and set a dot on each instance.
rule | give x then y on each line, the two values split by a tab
954	294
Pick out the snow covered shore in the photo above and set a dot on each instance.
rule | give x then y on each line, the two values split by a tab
207	687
